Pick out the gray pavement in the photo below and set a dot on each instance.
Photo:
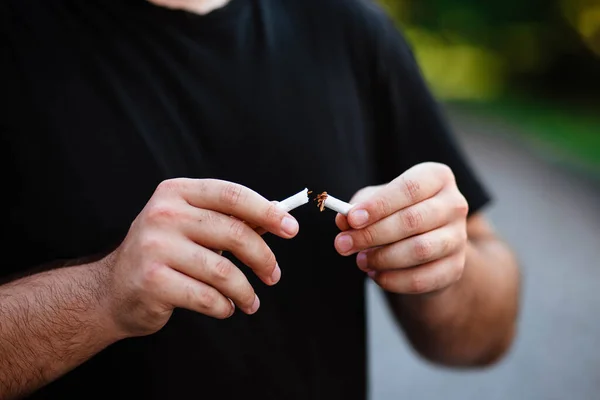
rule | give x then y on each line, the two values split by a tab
552	219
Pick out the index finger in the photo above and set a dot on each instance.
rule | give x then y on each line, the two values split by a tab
239	201
414	186
342	222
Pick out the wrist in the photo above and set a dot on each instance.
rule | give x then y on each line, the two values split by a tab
108	304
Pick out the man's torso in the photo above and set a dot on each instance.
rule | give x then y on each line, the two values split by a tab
109	98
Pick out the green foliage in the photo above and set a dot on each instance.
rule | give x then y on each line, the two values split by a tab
516	60
508	42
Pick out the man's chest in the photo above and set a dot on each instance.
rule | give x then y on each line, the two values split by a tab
96	128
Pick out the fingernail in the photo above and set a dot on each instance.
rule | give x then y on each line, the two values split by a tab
361	261
344	243
232	307
290	226
371	274
255	305
360	218
276	275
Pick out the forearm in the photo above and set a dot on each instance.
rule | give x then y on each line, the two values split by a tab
50	323
473	321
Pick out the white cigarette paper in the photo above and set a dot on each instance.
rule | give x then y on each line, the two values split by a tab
295	201
337	205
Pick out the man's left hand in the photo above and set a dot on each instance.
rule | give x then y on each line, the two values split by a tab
411	234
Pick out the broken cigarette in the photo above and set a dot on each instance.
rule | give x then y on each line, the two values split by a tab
295	201
325	200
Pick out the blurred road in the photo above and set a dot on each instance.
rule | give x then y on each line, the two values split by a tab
552	219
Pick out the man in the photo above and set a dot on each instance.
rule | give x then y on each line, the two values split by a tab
141	139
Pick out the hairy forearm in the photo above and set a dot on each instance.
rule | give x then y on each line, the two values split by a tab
50	323
471	323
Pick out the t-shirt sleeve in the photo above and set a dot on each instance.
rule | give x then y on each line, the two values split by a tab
411	127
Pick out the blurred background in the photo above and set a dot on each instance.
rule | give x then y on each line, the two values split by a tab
520	80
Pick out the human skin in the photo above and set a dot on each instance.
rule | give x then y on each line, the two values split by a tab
452	283
53	321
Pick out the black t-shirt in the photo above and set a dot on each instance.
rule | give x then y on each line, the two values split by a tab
104	99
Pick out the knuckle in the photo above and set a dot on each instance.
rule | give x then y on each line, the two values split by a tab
270	259
273	214
232	194
150	243
376	258
223	269
247	297
417	284
237	233
201	185
368	236
445	171
169	185
384	281
206	298
446	244
460	267
388	281
200	257
461	205
383	206
411	189
422	249
161	212
223	313
441	171
412	219
449	273
152	277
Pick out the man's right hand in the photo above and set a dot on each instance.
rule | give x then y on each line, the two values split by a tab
166	260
